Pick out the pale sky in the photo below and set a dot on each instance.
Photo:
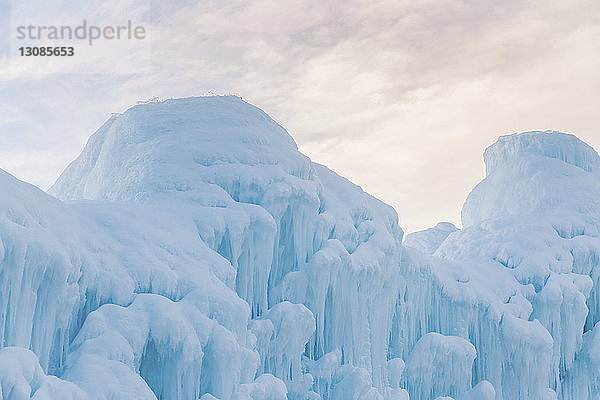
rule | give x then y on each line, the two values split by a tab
401	97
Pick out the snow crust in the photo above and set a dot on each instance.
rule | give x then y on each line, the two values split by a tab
192	252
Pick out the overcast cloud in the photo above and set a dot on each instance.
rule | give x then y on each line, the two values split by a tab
401	97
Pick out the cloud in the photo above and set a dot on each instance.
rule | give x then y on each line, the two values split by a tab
399	96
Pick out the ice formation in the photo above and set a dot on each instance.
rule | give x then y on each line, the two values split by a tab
439	364
192	252
429	240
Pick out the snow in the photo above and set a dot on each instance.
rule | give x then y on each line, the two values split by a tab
395	367
266	387
192	252
22	377
544	170
482	391
187	223
439	365
290	328
583	380
280	220
429	240
543	236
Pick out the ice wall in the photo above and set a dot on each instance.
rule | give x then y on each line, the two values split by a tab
582	381
196	202
194	252
292	229
541	238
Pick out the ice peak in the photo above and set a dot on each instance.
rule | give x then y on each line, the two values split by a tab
534	171
167	146
552	144
208	112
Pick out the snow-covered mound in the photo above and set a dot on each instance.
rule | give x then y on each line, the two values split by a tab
535	171
192	252
439	365
429	240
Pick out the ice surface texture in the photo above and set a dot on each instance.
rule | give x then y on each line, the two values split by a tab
192	252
